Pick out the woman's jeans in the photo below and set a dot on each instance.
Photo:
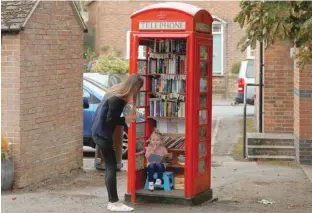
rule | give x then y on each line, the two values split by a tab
152	168
106	148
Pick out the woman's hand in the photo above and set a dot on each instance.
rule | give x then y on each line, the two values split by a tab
130	118
152	147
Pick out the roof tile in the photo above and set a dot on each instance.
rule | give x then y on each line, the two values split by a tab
14	13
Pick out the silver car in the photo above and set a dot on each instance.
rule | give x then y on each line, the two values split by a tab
246	75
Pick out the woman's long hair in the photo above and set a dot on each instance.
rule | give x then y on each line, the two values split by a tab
132	84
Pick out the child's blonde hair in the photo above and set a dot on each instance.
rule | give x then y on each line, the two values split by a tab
156	132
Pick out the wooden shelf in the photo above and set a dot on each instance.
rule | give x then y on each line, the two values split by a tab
164	93
174	134
174	166
165	118
160	74
175	150
173	53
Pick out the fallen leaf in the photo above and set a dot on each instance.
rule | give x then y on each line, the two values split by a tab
14	198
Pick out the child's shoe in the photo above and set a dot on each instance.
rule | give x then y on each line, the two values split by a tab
151	186
158	182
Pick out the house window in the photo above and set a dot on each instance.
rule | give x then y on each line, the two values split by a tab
141	49
251	53
217	32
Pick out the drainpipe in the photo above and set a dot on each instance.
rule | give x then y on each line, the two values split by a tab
261	87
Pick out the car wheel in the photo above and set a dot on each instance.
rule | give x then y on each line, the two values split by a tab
125	145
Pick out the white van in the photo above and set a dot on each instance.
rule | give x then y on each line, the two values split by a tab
246	76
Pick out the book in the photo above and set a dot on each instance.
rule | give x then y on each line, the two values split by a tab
154	158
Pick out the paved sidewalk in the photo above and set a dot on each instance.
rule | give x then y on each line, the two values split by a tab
239	186
308	171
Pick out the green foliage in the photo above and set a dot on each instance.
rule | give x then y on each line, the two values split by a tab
235	67
89	54
111	63
82	5
271	21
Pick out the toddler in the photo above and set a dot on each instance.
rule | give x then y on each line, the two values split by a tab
157	147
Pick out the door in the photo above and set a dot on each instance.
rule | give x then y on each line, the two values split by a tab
203	77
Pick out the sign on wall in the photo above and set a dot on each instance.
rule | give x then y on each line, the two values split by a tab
162	25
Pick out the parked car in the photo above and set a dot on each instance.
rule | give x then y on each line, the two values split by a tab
95	86
246	75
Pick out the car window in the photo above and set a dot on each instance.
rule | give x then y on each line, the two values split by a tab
100	79
91	98
113	80
250	70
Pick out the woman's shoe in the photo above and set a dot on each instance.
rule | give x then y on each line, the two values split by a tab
151	186
158	182
119	207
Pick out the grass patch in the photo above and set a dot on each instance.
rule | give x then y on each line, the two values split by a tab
238	148
291	164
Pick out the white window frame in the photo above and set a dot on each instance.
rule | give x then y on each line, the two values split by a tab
127	45
141	53
221	23
249	53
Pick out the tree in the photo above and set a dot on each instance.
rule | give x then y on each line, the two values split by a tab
271	21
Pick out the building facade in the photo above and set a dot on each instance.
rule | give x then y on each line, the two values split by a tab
109	22
287	99
41	87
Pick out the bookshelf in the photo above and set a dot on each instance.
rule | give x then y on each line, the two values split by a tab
164	94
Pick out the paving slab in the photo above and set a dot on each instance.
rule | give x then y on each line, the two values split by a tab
308	171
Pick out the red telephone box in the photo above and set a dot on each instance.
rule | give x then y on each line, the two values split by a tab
171	47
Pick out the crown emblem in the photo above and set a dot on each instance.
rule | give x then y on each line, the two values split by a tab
162	15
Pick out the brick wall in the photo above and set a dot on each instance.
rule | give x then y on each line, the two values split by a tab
50	93
112	20
278	105
303	114
10	90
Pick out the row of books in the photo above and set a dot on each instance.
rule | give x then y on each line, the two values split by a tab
167	45
166	96
168	84
166	108
174	142
172	126
141	67
174	64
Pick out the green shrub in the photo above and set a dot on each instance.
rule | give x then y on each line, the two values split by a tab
236	67
111	63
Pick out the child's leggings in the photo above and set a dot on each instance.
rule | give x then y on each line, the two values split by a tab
152	168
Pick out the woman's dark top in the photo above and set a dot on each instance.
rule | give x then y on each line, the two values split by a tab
107	117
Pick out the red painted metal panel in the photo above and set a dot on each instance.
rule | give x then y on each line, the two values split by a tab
203	180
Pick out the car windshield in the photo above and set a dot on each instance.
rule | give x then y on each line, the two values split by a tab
95	88
101	80
250	70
